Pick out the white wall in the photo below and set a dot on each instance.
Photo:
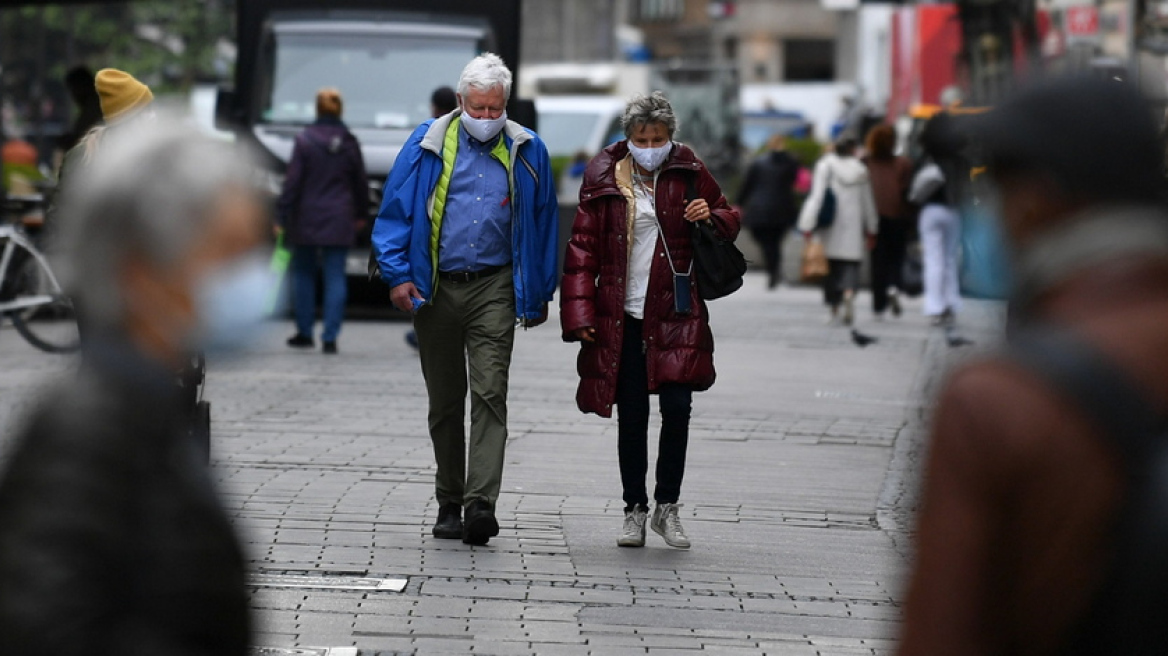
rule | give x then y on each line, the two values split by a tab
819	102
874	55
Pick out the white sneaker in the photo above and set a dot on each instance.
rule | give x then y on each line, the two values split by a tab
633	534
667	524
849	309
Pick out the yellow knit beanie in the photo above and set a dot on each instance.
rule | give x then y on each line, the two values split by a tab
121	94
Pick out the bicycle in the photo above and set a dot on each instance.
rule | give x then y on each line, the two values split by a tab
30	296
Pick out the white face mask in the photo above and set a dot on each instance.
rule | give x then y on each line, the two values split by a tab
650	159
483	129
232	303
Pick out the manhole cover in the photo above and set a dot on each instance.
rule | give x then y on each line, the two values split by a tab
304	651
326	583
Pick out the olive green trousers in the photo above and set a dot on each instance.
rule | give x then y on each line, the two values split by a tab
465	339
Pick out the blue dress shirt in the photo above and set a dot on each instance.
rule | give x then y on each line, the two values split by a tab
476	225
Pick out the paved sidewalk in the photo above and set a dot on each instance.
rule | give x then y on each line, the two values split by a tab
797	494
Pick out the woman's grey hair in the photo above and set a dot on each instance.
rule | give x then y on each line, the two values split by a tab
485	72
146	195
643	110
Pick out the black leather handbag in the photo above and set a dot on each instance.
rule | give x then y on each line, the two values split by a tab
718	264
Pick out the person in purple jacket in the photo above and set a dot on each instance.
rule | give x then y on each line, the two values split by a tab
324	202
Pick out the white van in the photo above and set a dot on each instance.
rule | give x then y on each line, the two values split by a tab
572	125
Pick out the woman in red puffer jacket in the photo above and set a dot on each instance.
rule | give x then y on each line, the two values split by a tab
631	248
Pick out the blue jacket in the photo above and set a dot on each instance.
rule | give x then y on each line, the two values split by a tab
402	235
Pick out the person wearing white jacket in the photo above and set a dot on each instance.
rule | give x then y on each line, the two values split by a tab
853	228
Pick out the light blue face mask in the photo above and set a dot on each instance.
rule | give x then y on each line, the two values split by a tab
986	260
232	303
483	129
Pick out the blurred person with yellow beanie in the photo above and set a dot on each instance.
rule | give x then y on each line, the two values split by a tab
123	99
122	95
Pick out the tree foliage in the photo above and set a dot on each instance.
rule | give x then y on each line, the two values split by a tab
169	44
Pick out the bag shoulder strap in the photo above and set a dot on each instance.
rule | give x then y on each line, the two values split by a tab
1079	371
1126	612
661	231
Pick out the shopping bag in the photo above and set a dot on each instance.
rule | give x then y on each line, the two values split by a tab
912	273
814	265
281	257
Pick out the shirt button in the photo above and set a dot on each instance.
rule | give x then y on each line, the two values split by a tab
480	175
479	198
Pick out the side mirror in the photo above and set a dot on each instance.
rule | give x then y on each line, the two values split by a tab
523	113
226	116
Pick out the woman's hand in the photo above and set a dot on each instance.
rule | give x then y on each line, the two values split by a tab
697	210
585	335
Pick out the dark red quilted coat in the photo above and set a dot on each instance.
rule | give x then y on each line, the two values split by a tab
678	348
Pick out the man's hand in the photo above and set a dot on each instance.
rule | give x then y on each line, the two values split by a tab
543	315
403	297
586	335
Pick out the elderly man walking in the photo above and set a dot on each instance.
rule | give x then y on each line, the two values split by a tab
466	240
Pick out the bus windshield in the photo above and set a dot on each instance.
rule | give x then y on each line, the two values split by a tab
385	79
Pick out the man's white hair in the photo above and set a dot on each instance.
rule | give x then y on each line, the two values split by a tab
485	72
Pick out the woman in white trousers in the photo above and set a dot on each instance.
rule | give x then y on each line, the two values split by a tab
940	230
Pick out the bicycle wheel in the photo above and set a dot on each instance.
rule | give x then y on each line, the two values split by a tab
50	326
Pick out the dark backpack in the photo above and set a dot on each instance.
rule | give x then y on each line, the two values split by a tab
1129	612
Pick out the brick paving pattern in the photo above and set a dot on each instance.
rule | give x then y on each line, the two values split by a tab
798	494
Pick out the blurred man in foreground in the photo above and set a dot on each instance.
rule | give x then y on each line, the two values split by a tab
1017	529
112	540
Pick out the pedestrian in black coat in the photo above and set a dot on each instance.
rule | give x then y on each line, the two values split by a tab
767	199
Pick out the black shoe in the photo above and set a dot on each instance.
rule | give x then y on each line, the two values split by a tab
300	341
449	524
480	525
329	348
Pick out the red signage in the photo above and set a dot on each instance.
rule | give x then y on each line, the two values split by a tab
1082	21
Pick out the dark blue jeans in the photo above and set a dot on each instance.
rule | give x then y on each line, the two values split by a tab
303	267
632	398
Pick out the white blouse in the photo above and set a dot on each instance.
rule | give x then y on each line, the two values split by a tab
641	259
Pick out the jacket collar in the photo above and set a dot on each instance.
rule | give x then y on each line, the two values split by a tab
515	133
600	176
331	121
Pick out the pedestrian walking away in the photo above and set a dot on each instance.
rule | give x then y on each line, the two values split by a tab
940	230
466	239
767	199
629	299
1031	499
112	540
324	203
891	175
853	227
